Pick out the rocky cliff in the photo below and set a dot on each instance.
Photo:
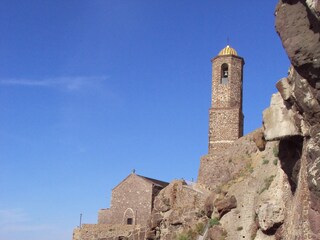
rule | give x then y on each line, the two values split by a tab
267	185
298	25
249	203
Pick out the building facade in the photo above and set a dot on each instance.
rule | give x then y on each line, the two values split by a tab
132	201
225	114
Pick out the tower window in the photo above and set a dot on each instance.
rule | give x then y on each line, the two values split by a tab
129	221
224	73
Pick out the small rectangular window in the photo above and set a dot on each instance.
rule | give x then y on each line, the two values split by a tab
129	221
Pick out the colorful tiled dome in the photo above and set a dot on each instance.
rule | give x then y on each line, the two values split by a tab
228	51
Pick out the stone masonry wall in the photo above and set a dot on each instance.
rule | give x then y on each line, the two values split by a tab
222	166
104	216
132	199
225	115
225	119
108	232
227	95
225	126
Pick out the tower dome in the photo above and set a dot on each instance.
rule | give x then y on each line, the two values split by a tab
228	51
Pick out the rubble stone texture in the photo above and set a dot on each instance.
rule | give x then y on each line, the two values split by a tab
275	184
131	199
183	209
298	25
298	28
226	117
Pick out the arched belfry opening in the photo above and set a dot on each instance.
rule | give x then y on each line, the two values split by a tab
224	74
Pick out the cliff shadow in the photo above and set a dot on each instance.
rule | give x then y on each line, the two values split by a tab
290	151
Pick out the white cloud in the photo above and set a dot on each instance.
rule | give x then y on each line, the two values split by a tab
12	215
16	220
25	228
64	83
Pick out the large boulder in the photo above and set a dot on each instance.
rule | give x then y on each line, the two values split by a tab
225	205
259	140
270	215
216	233
314	6
297	113
278	120
178	206
297	23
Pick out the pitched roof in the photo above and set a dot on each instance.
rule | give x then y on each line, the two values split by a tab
156	182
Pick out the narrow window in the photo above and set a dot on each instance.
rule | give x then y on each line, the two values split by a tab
129	221
224	74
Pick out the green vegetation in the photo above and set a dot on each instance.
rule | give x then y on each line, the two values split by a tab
269	180
200	228
267	183
248	168
275	162
213	222
265	161
275	151
183	236
191	234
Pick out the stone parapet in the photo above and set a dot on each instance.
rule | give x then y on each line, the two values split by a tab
108	232
104	216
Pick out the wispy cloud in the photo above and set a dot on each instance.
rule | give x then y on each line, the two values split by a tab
16	220
12	215
64	83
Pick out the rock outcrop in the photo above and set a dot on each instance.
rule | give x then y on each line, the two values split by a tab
178	209
278	120
277	189
266	186
251	202
219	168
298	25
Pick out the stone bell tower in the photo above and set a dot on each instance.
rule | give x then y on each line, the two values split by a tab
225	114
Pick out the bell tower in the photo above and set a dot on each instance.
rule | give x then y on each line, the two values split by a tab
225	114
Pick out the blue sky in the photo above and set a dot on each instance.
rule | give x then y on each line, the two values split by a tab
90	90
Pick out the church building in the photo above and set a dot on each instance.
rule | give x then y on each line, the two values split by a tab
132	201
